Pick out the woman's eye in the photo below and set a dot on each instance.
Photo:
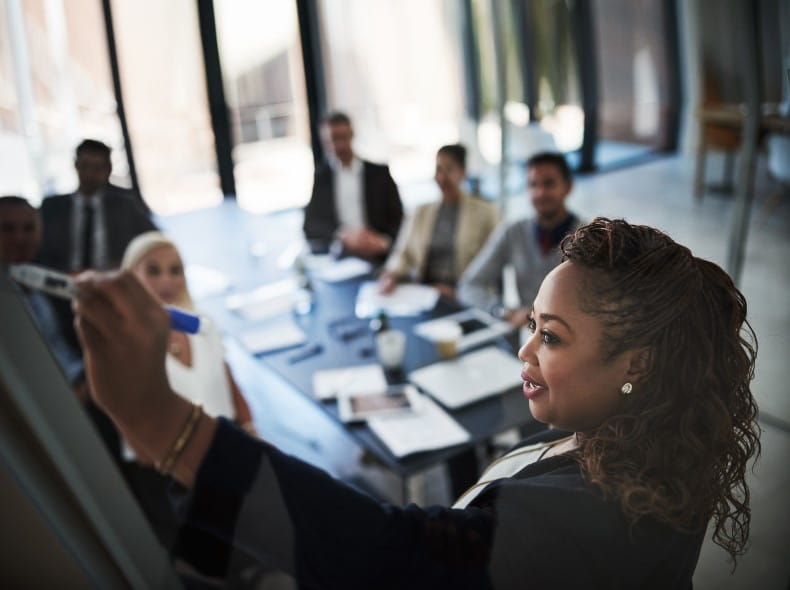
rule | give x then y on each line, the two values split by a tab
153	271
549	338
531	325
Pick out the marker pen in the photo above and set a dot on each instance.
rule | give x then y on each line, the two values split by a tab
62	285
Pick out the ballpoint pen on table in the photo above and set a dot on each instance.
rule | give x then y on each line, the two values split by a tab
305	353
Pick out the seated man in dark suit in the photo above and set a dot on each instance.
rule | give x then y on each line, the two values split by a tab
20	239
355	208
91	227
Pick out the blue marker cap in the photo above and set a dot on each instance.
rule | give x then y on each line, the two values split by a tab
183	321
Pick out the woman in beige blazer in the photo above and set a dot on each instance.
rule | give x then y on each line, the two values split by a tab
440	239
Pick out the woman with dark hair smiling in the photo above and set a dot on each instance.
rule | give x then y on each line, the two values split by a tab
441	238
640	357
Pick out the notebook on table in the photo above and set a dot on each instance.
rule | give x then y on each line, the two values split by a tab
478	327
470	378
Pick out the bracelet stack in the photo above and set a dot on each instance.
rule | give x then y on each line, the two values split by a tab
165	467
249	428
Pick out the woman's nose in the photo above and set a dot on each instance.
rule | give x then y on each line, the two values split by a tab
527	353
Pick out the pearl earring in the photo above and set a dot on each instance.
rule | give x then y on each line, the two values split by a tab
626	389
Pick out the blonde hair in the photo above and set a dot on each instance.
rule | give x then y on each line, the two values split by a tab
139	247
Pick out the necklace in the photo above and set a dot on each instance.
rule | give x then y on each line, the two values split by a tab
174	347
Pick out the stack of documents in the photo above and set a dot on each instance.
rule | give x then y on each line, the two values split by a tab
425	428
330	383
428	428
405	300
343	270
264	302
471	377
276	334
205	281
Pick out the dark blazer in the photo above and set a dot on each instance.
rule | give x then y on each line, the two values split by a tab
383	207
543	528
124	217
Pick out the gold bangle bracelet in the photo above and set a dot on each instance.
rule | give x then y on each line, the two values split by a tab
249	427
167	464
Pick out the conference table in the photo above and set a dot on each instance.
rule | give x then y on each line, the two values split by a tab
345	340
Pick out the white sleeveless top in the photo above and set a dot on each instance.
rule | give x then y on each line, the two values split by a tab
205	382
507	466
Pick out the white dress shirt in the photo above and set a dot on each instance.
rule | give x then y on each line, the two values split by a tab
349	202
205	381
99	230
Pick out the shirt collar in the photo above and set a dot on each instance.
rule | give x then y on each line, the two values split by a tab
549	239
94	198
336	166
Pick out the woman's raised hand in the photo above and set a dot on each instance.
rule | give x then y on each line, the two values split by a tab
124	331
387	283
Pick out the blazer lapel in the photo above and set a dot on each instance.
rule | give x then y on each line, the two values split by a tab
425	235
463	237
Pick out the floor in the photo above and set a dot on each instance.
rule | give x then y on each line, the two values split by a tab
658	193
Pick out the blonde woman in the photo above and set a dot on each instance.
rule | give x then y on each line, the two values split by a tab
195	362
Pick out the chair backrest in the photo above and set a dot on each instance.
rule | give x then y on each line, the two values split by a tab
779	157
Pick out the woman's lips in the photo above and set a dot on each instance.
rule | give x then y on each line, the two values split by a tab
532	388
167	297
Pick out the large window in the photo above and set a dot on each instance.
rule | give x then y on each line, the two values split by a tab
264	87
55	89
164	87
519	135
635	113
556	73
394	66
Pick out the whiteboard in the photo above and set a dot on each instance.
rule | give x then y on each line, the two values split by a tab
52	459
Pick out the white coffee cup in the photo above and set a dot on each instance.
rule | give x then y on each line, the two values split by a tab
446	335
391	347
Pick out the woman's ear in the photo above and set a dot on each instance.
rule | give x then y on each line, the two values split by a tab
640	363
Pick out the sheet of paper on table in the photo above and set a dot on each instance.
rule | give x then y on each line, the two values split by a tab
428	428
205	281
265	301
471	377
328	383
343	270
406	300
276	334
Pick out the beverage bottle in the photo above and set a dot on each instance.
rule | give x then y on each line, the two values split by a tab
303	297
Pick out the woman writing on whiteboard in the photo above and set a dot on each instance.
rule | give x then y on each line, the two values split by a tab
639	356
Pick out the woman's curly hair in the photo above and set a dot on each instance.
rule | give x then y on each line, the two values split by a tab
677	451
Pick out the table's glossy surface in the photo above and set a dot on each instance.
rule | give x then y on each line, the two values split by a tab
347	341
